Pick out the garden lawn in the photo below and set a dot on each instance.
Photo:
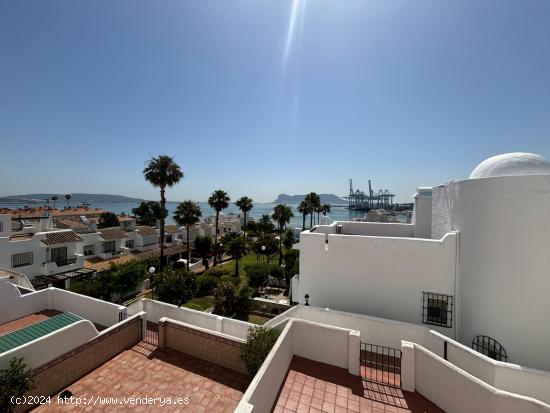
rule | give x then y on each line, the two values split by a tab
200	303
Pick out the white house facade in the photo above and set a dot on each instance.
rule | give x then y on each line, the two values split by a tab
473	264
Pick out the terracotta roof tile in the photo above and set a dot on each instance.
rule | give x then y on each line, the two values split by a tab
72	224
60	237
171	229
112	233
145	231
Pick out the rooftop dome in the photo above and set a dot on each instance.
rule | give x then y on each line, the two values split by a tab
512	164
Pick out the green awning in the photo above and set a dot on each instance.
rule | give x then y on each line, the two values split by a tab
34	331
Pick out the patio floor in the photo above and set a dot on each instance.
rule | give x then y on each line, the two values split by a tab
313	387
145	370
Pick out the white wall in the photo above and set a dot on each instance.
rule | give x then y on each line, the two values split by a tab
13	305
331	345
422	213
454	390
504	263
379	276
156	310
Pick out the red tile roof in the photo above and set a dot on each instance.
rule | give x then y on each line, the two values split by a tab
60	237
112	233
145	231
171	229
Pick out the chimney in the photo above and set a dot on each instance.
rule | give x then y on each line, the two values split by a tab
45	223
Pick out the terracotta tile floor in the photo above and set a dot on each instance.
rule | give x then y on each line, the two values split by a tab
145	370
27	321
313	387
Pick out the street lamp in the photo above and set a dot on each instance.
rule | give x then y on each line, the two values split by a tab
151	272
263	250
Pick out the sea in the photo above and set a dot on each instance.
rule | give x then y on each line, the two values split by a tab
337	213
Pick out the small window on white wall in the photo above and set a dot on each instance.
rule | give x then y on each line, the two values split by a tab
437	309
22	259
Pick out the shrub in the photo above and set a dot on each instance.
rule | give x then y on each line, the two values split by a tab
258	273
224	298
175	287
205	284
259	342
15	381
217	271
243	302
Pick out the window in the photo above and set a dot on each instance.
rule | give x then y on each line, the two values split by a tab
130	243
1	227
169	238
59	255
490	347
109	246
22	259
89	250
437	309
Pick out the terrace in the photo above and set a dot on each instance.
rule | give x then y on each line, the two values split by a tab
147	371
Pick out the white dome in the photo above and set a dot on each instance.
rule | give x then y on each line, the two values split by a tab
512	164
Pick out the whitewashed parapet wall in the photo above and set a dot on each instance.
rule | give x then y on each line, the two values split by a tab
13	305
156	310
375	275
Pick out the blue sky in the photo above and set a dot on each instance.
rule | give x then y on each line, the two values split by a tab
254	98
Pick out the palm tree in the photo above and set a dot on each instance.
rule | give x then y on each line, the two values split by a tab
304	208
54	199
236	248
245	204
325	209
265	224
161	172
68	198
281	214
204	247
187	213
313	200
219	200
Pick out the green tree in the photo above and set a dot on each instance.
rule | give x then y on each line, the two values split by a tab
126	277
288	238
224	298
325	209
108	219
15	381
281	215
243	302
265	245
176	286
265	225
162	172
187	213
203	245
219	200
304	208
68	198
206	284
313	200
148	212
258	274
259	342
245	204
236	248
54	199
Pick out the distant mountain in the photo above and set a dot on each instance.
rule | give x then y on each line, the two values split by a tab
75	198
296	199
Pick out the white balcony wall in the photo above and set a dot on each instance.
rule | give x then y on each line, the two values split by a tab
380	276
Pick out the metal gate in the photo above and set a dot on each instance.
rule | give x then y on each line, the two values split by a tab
381	364
150	332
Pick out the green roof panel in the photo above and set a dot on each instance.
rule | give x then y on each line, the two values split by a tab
35	331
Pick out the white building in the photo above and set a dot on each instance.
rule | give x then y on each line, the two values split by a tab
38	250
473	262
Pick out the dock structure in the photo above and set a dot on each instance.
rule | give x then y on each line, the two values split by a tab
382	199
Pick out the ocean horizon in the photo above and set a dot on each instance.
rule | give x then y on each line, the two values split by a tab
338	212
